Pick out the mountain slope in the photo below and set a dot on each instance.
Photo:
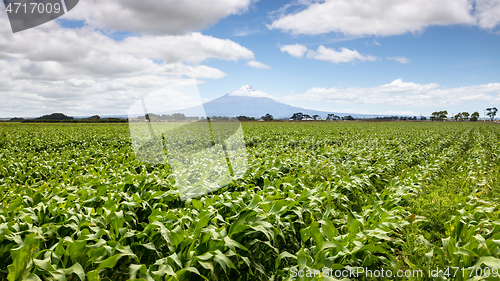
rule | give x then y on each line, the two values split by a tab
247	101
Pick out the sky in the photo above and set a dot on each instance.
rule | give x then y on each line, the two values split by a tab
387	57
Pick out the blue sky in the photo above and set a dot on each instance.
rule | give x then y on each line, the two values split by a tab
376	57
452	56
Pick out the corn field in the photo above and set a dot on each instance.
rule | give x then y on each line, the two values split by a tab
78	205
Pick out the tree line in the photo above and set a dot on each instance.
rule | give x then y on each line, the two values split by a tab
463	116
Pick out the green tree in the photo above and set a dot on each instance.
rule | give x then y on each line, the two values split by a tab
492	111
474	116
439	115
297	116
442	115
331	117
465	116
267	117
245	118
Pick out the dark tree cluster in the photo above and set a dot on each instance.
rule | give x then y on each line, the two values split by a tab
387	118
492	111
16	119
465	116
267	117
439	115
332	117
219	118
299	116
401	118
169	117
245	118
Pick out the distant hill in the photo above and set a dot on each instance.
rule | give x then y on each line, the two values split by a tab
55	117
62	118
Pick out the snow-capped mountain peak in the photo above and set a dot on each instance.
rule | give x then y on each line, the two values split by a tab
248	91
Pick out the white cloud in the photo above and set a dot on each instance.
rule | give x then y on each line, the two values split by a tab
385	17
152	16
81	71
326	54
296	50
248	91
487	13
246	31
84	46
400	59
400	93
193	47
257	64
333	56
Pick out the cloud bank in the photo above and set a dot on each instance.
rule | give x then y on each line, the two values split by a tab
152	16
400	93
386	17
